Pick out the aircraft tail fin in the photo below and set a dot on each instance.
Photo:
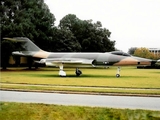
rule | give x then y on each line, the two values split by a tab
25	43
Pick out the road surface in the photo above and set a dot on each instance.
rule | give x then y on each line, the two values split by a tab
149	103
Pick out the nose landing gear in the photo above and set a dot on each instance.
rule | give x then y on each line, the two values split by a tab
61	72
118	72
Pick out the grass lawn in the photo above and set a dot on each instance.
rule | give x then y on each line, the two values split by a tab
143	81
132	80
31	111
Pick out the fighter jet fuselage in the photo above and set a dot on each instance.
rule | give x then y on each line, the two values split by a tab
78	59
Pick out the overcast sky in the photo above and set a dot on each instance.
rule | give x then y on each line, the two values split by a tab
133	23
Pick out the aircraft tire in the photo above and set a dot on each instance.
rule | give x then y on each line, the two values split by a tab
117	75
62	73
78	72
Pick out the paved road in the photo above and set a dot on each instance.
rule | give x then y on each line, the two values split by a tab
150	103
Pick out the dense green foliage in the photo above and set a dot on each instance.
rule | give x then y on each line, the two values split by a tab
132	50
24	111
27	18
90	36
32	19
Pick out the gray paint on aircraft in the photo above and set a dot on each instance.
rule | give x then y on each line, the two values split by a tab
100	59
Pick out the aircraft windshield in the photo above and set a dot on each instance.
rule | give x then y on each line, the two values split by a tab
120	53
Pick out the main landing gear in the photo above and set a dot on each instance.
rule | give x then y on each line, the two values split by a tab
62	73
118	72
78	72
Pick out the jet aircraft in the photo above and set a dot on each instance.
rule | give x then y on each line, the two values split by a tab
77	59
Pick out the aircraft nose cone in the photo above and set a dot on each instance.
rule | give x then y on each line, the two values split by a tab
145	61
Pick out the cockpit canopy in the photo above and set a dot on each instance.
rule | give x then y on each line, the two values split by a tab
120	53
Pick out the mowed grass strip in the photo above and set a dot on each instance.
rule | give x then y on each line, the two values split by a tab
33	111
89	90
130	78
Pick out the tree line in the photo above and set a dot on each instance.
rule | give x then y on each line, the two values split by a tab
33	19
144	52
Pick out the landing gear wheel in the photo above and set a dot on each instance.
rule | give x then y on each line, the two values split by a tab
61	72
117	75
118	72
78	72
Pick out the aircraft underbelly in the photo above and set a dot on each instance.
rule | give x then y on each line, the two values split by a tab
125	63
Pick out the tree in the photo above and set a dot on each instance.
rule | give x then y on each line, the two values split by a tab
132	50
6	50
64	41
27	18
91	36
143	52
